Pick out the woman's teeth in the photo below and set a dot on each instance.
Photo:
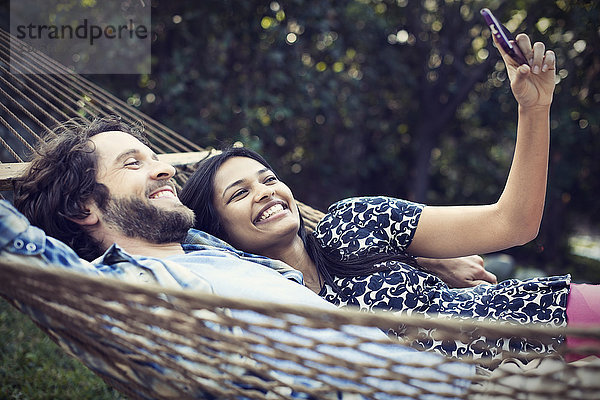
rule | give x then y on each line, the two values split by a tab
270	211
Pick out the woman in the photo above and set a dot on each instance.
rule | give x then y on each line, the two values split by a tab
361	253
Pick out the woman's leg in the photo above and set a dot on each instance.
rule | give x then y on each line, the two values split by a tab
583	309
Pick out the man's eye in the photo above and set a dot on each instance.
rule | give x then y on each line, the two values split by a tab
130	163
270	179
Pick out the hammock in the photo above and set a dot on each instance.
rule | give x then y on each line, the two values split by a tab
153	342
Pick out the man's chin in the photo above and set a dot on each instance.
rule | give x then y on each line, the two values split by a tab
181	213
171	225
172	206
146	220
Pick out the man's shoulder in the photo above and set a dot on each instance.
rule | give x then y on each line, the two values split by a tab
199	240
197	237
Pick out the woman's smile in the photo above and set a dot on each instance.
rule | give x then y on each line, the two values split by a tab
272	211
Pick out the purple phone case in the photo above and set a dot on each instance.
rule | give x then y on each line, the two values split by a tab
503	37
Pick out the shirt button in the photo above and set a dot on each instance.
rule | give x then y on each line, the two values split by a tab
19	243
31	247
143	277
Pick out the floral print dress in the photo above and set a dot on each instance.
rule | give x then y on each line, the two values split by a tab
358	227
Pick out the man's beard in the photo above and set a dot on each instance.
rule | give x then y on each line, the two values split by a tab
137	218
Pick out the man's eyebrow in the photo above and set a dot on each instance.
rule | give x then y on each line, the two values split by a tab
259	172
125	154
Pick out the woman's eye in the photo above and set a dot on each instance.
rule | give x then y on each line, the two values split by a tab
270	179
238	194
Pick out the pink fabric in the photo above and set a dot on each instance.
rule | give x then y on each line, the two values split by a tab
583	310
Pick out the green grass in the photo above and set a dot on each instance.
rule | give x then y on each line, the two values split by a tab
33	367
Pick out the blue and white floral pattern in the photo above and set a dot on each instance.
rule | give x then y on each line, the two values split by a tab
370	225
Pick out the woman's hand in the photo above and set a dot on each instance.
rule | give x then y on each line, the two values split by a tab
533	84
459	272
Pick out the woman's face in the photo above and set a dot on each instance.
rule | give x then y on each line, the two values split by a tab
257	211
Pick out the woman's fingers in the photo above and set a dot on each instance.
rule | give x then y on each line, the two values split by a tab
539	50
549	61
538	58
525	45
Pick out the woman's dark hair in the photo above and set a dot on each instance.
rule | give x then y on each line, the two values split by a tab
61	180
198	194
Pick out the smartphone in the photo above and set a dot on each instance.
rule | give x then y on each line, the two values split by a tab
503	37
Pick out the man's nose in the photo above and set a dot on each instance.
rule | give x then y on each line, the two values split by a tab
162	170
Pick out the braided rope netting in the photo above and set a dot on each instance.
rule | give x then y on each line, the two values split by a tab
39	93
152	342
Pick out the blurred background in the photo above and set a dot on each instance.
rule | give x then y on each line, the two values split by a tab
406	98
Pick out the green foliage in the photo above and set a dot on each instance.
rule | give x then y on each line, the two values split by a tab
404	98
33	367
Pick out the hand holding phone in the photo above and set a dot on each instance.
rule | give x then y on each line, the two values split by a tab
503	37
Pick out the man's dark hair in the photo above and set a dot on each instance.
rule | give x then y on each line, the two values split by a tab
61	180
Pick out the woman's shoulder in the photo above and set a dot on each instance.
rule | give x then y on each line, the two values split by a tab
369	224
373	204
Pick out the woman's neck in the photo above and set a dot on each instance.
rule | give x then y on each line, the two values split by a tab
295	255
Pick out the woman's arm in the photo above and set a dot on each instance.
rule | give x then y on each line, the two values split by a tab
515	218
459	272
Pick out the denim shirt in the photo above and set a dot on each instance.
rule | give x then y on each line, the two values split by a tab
197	240
19	238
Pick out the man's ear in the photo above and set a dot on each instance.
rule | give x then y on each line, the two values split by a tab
92	218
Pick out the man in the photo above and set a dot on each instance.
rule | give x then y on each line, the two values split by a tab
98	188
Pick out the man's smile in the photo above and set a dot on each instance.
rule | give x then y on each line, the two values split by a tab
163	192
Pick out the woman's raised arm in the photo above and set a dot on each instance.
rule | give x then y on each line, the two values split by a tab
515	218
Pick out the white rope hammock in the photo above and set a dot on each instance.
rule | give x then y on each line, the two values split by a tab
154	342
201	350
